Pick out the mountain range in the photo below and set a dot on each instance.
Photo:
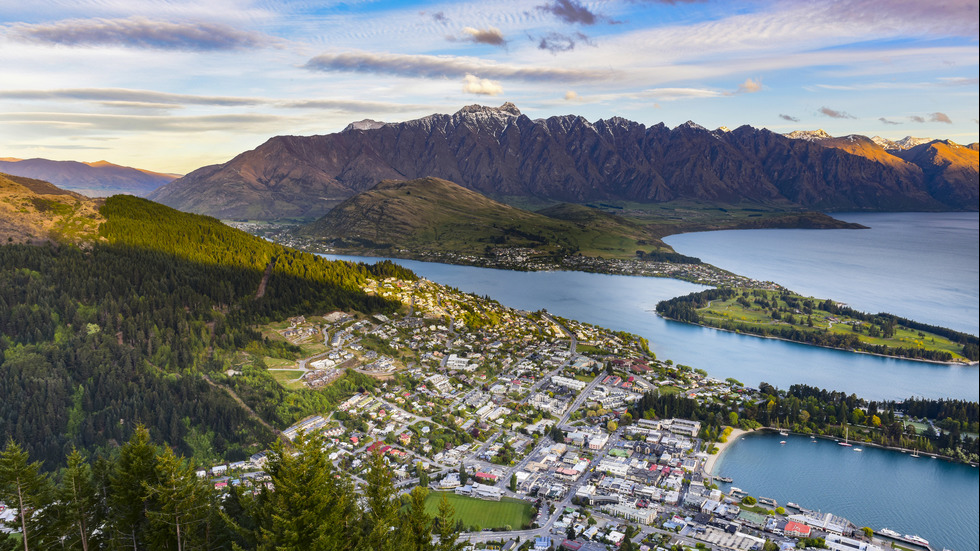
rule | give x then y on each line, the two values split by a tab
503	154
98	179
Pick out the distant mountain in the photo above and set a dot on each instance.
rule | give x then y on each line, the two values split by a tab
34	210
98	179
905	143
435	215
503	154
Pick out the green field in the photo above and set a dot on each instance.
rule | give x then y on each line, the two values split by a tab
484	514
744	308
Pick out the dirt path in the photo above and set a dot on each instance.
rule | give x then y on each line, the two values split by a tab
244	406
265	279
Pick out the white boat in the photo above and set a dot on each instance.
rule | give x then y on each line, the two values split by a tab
782	441
858	450
889	533
917	540
783	433
844	443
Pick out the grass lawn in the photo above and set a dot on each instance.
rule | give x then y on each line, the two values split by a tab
283	378
486	514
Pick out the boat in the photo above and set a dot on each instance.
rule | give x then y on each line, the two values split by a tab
727	479
889	533
783	433
844	443
916	539
915	453
793	505
782	441
858	450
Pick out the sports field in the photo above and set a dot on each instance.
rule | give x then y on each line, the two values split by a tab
485	514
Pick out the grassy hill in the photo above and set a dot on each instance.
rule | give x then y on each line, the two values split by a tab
35	210
434	215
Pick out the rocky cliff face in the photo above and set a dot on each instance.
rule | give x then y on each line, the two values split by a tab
501	153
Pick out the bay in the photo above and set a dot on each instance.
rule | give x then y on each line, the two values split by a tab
879	488
923	266
627	303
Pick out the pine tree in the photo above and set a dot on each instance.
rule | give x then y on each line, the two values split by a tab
177	504
24	487
415	529
448	531
382	510
135	470
76	511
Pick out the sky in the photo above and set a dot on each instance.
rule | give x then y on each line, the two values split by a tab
174	85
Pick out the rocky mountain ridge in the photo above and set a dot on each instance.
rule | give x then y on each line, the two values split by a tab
503	154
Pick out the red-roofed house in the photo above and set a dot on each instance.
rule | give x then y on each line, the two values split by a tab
796	530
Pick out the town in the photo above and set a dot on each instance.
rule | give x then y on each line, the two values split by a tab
523	419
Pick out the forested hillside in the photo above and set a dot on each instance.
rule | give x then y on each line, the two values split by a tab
98	338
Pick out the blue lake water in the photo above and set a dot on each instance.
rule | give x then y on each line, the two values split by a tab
878	488
923	266
627	304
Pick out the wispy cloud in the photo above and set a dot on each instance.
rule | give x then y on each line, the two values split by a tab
789	118
429	66
142	32
490	35
353	106
128	96
834	114
917	118
570	11
886	121
940	117
481	86
136	123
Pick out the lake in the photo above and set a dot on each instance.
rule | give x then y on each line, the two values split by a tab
879	488
916	265
627	303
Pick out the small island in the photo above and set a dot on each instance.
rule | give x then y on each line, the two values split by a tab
822	322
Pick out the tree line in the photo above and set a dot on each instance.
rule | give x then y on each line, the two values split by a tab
147	497
807	409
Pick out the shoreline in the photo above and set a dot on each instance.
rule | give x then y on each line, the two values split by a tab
952	363
709	463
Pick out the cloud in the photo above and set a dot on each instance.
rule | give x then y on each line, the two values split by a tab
789	118
749	86
571	95
429	66
886	121
940	117
440	17
556	42
142	32
490	35
353	106
917	118
124	95
570	11
139	123
481	86
834	114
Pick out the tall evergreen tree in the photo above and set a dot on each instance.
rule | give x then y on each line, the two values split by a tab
76	511
25	487
134	472
381	514
177	504
448	531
